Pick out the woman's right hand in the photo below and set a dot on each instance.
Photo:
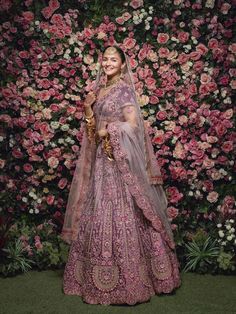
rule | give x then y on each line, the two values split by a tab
89	100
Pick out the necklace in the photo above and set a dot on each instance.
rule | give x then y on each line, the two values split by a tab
112	82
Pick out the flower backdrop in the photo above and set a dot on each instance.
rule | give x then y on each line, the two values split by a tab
183	59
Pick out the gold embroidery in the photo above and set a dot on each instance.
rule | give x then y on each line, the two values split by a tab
143	273
90	126
105	278
107	147
79	272
161	267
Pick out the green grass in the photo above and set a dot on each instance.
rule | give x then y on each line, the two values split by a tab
41	292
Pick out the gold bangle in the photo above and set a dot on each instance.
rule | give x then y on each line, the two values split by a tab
88	117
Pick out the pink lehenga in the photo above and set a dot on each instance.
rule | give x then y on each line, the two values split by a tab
122	249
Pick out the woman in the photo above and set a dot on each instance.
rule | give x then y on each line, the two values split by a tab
122	248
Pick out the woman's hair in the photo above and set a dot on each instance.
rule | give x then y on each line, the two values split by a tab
119	50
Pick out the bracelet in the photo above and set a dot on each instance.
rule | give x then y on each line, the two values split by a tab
88	117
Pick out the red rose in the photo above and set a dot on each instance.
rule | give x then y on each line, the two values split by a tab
50	199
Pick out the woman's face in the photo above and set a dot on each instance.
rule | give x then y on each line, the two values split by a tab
112	63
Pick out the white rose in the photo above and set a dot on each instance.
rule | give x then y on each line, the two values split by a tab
65	127
221	234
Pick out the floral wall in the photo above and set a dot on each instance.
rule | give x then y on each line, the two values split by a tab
183	59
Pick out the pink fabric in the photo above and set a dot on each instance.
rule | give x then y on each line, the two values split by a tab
123	251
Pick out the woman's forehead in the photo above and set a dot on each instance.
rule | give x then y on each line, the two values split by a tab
111	53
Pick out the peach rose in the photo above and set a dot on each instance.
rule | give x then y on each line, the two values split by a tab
212	197
53	162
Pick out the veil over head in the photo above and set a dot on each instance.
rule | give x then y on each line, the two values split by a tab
142	163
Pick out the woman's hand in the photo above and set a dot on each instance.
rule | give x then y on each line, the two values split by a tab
102	132
89	100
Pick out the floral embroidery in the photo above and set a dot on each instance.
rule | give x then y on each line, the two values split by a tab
105	277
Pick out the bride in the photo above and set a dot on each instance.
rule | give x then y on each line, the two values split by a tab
122	248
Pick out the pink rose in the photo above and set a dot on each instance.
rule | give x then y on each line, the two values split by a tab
224	80
28	16
232	48
126	16
153	100
202	49
163	52
120	20
198	66
17	153
151	83
212	197
183	58
183	37
28	168
62	183
172	212
195	55
227	146
129	43
57	19
220	129
47	12
142	54
161	115
135	4
54	4
205	78
213	43
162	38
173	194
88	33
24	54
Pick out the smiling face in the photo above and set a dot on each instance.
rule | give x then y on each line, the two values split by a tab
112	63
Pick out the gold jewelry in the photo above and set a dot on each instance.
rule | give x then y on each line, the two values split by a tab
112	82
88	117
107	147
